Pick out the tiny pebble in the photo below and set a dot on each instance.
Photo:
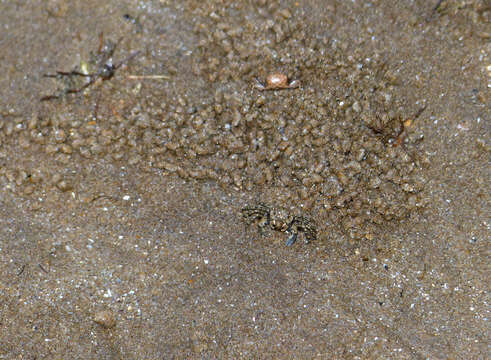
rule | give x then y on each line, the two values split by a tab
105	318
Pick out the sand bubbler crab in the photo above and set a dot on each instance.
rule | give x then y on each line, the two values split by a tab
276	81
280	219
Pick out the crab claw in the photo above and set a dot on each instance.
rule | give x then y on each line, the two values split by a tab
259	85
291	240
294	84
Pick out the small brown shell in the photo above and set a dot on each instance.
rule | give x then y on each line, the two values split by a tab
105	318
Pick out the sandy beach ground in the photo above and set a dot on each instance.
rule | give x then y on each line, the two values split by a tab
121	231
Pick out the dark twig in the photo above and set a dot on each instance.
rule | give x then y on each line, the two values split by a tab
437	6
44	270
21	270
434	10
105	70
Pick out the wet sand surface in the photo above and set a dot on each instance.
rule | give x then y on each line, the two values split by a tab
121	231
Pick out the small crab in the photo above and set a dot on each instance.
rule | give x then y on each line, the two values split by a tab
277	81
280	219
